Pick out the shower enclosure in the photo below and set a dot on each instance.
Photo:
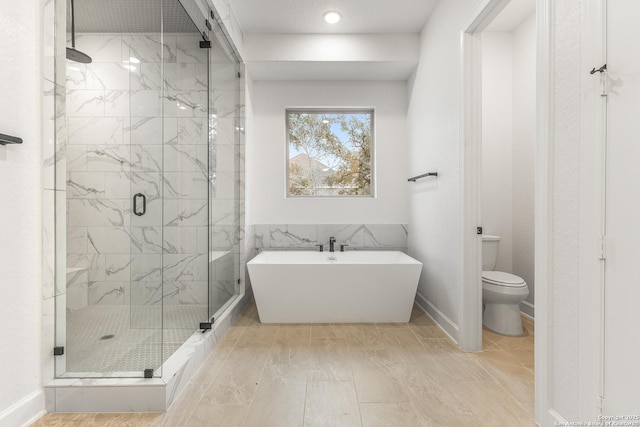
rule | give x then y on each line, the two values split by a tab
148	191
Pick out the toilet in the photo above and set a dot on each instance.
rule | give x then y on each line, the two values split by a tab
502	293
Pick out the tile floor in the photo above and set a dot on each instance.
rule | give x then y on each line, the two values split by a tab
347	375
144	336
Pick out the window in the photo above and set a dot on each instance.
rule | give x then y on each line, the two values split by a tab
329	153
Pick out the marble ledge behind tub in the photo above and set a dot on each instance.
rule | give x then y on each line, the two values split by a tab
307	236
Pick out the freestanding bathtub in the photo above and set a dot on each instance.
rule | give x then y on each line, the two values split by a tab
334	287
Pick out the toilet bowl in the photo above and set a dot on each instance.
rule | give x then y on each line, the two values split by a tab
502	293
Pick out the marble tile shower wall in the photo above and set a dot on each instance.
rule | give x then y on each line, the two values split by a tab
127	135
307	236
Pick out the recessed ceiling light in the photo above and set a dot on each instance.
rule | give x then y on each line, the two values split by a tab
332	17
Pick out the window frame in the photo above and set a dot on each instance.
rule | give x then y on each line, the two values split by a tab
329	110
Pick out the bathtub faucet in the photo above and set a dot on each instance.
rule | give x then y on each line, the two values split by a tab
332	241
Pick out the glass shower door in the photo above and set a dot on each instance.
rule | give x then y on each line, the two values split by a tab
225	177
145	55
184	178
136	196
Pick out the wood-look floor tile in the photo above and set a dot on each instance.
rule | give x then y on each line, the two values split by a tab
327	330
218	416
211	367
390	415
525	342
354	330
488	344
376	382
291	347
435	403
313	375
182	408
331	404
97	419
528	325
402	346
457	367
238	378
488	401
329	360
280	397
419	317
427	331
392	325
248	317
513	376
524	357
439	345
529	408
257	336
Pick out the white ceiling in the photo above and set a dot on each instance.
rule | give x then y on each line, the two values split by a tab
512	15
358	16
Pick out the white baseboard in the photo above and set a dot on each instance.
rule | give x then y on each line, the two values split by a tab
24	412
527	309
440	319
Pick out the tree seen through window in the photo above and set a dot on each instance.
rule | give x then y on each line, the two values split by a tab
330	153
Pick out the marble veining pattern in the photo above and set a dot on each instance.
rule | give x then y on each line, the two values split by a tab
308	236
119	145
118	135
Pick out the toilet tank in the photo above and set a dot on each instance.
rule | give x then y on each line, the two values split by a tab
489	252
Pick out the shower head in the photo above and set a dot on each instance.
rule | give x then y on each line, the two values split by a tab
72	53
77	56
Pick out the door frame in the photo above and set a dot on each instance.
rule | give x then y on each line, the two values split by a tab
470	336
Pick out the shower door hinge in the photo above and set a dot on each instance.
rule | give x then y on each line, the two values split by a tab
205	44
238	281
205	326
479	230
58	351
601	248
148	373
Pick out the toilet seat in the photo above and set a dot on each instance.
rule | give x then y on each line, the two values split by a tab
500	278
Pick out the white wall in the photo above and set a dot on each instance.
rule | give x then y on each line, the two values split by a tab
508	147
564	290
523	153
20	211
266	158
434	143
497	142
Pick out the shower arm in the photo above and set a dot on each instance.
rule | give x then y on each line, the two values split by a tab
73	26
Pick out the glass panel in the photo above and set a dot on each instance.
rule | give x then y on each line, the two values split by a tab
143	56
113	300
224	188
184	181
151	163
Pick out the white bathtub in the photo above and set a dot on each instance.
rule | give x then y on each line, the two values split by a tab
334	287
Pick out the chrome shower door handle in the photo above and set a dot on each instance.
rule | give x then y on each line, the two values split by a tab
135	204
